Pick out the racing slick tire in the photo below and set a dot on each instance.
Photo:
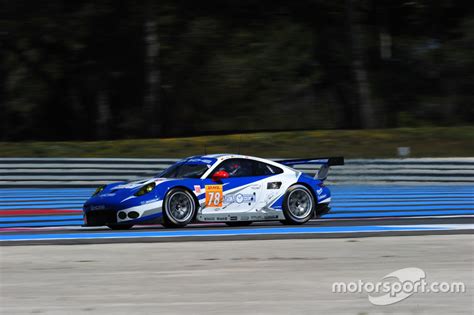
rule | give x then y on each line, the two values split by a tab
238	223
179	208
298	205
120	226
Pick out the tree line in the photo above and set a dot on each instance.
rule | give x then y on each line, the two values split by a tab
90	70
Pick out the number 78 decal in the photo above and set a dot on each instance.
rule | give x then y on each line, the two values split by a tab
214	196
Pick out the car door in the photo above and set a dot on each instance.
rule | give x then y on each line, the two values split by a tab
238	193
272	187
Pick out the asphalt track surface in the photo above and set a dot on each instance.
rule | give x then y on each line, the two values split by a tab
53	215
239	277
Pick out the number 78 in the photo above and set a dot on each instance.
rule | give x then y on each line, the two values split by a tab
215	199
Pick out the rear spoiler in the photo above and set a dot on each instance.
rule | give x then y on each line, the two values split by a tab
329	161
325	163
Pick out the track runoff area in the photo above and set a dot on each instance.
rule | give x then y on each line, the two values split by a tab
54	215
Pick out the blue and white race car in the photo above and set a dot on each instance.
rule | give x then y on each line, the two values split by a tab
234	189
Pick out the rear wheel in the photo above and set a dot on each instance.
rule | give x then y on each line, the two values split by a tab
120	226
239	223
298	205
179	208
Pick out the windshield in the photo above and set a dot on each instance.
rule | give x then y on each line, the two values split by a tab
190	168
184	170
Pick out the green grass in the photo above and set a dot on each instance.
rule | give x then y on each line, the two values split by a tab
424	142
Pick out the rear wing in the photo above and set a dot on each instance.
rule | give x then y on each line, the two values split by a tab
325	163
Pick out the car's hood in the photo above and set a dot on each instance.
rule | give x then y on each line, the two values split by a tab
137	184
132	187
119	192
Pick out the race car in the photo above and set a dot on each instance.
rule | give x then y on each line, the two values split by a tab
229	188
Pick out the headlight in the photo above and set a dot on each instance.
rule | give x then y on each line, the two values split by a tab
98	190
145	189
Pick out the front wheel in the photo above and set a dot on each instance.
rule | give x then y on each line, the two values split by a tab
298	205
120	226
179	208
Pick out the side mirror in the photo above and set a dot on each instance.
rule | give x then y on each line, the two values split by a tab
220	175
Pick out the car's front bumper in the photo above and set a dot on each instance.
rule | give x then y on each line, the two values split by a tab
100	217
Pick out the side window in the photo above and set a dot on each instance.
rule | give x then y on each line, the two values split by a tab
262	169
245	168
236	167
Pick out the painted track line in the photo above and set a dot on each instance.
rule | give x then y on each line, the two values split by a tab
236	232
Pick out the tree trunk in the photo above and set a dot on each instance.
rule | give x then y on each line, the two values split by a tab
103	115
3	108
366	107
152	72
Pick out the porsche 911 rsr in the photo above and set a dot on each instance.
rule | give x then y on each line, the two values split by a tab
234	189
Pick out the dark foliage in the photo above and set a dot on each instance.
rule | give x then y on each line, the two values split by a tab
125	69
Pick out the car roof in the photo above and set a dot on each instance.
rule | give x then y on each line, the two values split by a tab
224	156
217	158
